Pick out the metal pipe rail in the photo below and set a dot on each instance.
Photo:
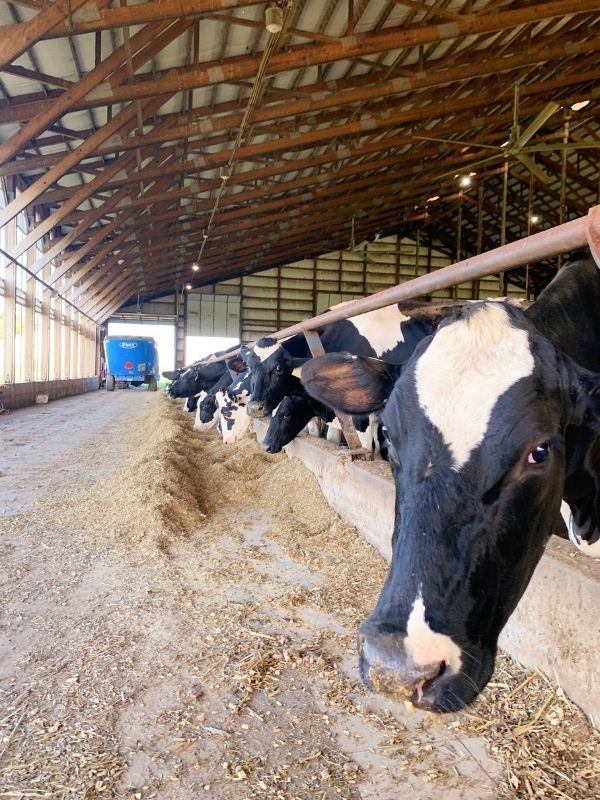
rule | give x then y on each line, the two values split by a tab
581	232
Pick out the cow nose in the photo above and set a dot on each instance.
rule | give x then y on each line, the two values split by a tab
256	409
266	447
388	668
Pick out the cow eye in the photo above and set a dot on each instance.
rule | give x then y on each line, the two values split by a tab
539	454
278	368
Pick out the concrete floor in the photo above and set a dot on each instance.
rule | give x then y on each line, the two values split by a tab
117	639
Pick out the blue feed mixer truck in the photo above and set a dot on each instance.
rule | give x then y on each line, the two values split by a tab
131	360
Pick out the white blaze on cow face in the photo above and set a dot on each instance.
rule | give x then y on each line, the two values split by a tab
469	364
382	328
427	647
264	352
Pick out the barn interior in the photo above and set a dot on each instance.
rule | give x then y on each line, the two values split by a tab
225	169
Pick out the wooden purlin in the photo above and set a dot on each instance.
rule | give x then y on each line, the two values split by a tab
98	235
124	163
64	102
216	266
288	201
17	38
313	138
80	269
80	194
111	264
109	291
142	14
121	124
301	56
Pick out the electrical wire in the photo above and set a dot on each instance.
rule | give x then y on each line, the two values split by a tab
227	170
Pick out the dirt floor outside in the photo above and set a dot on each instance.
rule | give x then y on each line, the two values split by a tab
178	621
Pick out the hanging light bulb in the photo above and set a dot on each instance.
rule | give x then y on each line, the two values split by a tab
188	286
195	266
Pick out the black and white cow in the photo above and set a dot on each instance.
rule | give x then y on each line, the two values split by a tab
208	410
232	404
490	423
200	377
390	333
292	415
296	411
190	404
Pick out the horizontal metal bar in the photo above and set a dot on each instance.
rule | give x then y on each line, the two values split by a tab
552	242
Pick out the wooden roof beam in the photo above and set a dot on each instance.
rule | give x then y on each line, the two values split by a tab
347	48
16	39
320	136
64	102
144	13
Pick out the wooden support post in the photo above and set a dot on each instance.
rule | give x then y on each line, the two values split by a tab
44	355
459	217
10	286
502	277
477	283
29	330
316	348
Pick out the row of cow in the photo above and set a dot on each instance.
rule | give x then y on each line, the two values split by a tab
492	421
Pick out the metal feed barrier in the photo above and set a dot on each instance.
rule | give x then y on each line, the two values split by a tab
581	232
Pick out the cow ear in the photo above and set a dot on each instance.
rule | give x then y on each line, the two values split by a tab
352	384
296	365
171	375
248	355
237	364
587	398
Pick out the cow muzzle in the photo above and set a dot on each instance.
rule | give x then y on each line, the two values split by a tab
388	668
257	409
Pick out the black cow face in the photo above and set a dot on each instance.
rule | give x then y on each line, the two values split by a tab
207	408
271	370
196	379
581	508
477	425
293	414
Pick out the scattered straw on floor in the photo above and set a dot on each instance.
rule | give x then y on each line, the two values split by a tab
185	627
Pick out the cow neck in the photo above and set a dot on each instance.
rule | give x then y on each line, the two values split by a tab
566	312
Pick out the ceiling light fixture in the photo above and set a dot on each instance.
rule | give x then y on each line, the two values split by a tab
188	286
195	266
465	181
273	19
581	104
534	219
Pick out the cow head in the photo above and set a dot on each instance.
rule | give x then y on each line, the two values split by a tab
233	413
196	379
271	370
581	506
478	424
207	412
293	414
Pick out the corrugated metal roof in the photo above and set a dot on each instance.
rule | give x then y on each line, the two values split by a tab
367	110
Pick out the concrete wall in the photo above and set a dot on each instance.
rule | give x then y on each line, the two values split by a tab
18	395
556	627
